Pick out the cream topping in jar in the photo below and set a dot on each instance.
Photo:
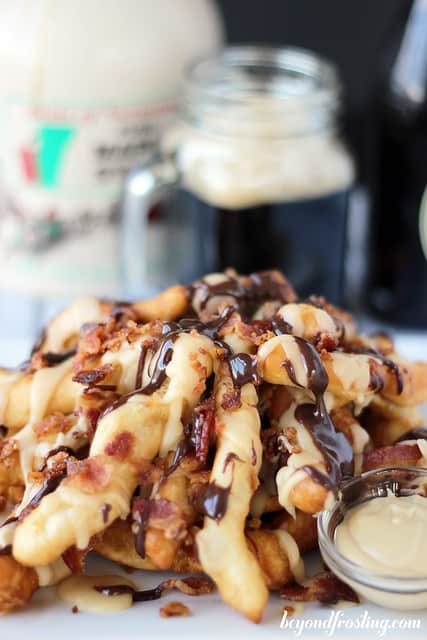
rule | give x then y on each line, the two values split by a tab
387	535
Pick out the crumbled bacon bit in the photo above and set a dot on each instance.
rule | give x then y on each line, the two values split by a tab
191	586
55	423
8	448
231	400
92	376
75	609
173	609
325	588
90	474
150	473
121	446
201	429
325	342
253	523
92	417
166	515
394	455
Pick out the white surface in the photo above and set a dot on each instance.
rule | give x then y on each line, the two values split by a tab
46	617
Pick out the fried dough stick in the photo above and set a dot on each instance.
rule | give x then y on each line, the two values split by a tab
126	436
62	332
17	584
223	552
54	385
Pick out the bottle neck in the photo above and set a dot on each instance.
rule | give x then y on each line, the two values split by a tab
407	90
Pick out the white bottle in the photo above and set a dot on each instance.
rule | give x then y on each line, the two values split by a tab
86	88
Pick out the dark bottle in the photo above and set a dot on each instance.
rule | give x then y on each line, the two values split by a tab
398	287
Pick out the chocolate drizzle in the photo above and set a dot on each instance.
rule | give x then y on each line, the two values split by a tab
49	485
141	514
51	359
6	551
3	431
106	508
53	452
419	433
243	369
163	358
213	501
280	327
39	341
248	293
287	364
9	520
184	447
170	333
140	369
335	447
376	381
137	596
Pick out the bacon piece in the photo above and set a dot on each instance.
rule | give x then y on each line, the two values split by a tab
121	446
55	423
401	455
203	428
92	376
174	609
160	514
91	474
191	586
325	588
231	400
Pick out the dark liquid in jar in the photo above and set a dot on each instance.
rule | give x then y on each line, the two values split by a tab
305	239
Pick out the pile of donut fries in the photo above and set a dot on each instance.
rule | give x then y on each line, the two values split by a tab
196	432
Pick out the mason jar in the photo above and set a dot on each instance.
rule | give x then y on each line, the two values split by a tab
254	177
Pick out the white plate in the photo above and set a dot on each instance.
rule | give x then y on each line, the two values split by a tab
47	617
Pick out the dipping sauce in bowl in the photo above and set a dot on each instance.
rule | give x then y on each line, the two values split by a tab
388	535
375	537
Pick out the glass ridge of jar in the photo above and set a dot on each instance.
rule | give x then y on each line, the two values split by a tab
404	592
261	92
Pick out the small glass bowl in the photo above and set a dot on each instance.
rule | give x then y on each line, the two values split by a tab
396	592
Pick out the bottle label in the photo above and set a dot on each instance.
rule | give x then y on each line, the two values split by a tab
423	222
62	171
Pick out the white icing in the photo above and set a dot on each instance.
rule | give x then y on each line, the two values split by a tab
289	476
43	385
422	446
289	545
296	315
190	365
216	301
352	370
52	573
78	591
127	358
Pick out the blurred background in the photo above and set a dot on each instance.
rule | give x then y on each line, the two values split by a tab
304	149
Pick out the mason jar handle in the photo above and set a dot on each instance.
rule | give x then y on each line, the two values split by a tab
145	186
